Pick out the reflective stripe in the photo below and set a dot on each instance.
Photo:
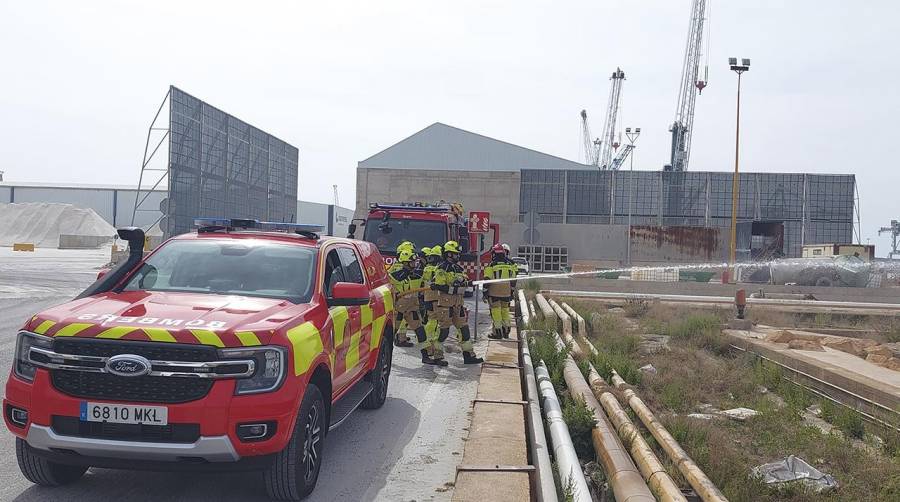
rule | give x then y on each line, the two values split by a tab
339	317
388	298
365	316
159	334
377	331
306	344
72	329
43	327
117	332
353	352
248	338
207	337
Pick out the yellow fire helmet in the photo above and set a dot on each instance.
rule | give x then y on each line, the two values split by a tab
433	251
407	246
451	247
405	256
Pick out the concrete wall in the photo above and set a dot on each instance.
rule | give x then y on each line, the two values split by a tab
495	191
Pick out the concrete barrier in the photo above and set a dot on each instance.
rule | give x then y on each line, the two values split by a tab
82	241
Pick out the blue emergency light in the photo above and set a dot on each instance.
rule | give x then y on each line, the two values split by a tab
213	224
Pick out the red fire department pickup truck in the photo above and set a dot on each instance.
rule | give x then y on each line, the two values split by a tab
232	347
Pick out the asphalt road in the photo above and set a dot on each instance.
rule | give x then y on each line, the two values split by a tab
406	451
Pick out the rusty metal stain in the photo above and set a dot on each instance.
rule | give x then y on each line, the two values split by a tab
692	241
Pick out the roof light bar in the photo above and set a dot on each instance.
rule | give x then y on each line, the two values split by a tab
244	223
436	209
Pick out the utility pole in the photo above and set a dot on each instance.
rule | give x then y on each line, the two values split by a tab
632	137
735	182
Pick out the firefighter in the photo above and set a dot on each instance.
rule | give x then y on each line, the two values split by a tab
450	282
499	294
407	281
429	298
401	339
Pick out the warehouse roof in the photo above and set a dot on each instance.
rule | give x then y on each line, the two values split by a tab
443	147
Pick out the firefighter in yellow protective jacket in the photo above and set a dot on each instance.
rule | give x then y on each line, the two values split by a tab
499	294
433	258
401	339
450	281
408	283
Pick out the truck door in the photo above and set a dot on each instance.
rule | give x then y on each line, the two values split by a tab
360	317
344	322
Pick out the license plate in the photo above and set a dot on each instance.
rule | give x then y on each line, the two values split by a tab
124	413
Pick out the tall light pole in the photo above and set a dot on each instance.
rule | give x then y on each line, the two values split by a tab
632	136
735	182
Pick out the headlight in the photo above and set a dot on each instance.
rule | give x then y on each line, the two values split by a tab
270	368
23	367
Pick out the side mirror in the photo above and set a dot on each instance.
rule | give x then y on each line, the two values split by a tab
351	230
464	243
345	294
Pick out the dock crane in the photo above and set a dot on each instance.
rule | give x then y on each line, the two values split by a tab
600	151
690	87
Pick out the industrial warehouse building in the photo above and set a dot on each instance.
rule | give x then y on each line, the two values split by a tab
565	212
115	204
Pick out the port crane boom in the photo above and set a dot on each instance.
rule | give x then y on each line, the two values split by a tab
690	87
600	151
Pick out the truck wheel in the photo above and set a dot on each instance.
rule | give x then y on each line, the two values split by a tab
380	376
43	472
293	473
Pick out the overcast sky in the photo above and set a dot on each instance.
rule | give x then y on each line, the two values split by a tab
344	80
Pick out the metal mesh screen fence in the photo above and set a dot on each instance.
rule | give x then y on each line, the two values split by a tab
813	208
220	166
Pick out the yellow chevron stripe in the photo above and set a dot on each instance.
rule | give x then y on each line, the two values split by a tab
207	337
43	327
365	316
339	317
159	334
307	344
72	329
377	332
388	298
117	332
248	338
352	358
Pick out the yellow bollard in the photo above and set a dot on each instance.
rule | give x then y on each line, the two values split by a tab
23	246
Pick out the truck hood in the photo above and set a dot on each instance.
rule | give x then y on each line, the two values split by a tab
224	321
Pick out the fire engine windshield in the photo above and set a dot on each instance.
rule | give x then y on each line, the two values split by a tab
243	267
388	235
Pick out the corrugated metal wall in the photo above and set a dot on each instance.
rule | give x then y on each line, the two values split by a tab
817	205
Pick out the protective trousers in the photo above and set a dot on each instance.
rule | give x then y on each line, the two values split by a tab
400	333
453	316
500	316
432	331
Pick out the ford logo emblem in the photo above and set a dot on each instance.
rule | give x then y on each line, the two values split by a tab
128	365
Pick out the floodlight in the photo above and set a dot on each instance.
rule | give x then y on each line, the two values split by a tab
732	61
745	62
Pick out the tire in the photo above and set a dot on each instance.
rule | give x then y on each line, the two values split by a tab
295	470
380	377
43	472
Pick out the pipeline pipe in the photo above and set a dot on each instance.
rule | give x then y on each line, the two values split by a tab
532	309
567	464
661	484
522	303
624	478
691	472
579	321
545	307
540	455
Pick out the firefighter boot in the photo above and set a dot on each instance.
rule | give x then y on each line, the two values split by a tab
466	345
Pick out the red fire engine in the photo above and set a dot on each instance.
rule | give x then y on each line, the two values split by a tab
424	225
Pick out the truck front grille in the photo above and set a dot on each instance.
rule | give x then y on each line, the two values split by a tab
171	433
145	389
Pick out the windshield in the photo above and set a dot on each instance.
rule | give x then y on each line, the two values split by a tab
520	261
229	267
422	233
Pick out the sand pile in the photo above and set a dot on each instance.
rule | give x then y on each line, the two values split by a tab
41	223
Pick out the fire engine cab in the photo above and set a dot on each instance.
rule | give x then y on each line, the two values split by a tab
237	346
425	225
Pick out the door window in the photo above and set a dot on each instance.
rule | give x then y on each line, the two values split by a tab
334	272
351	265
